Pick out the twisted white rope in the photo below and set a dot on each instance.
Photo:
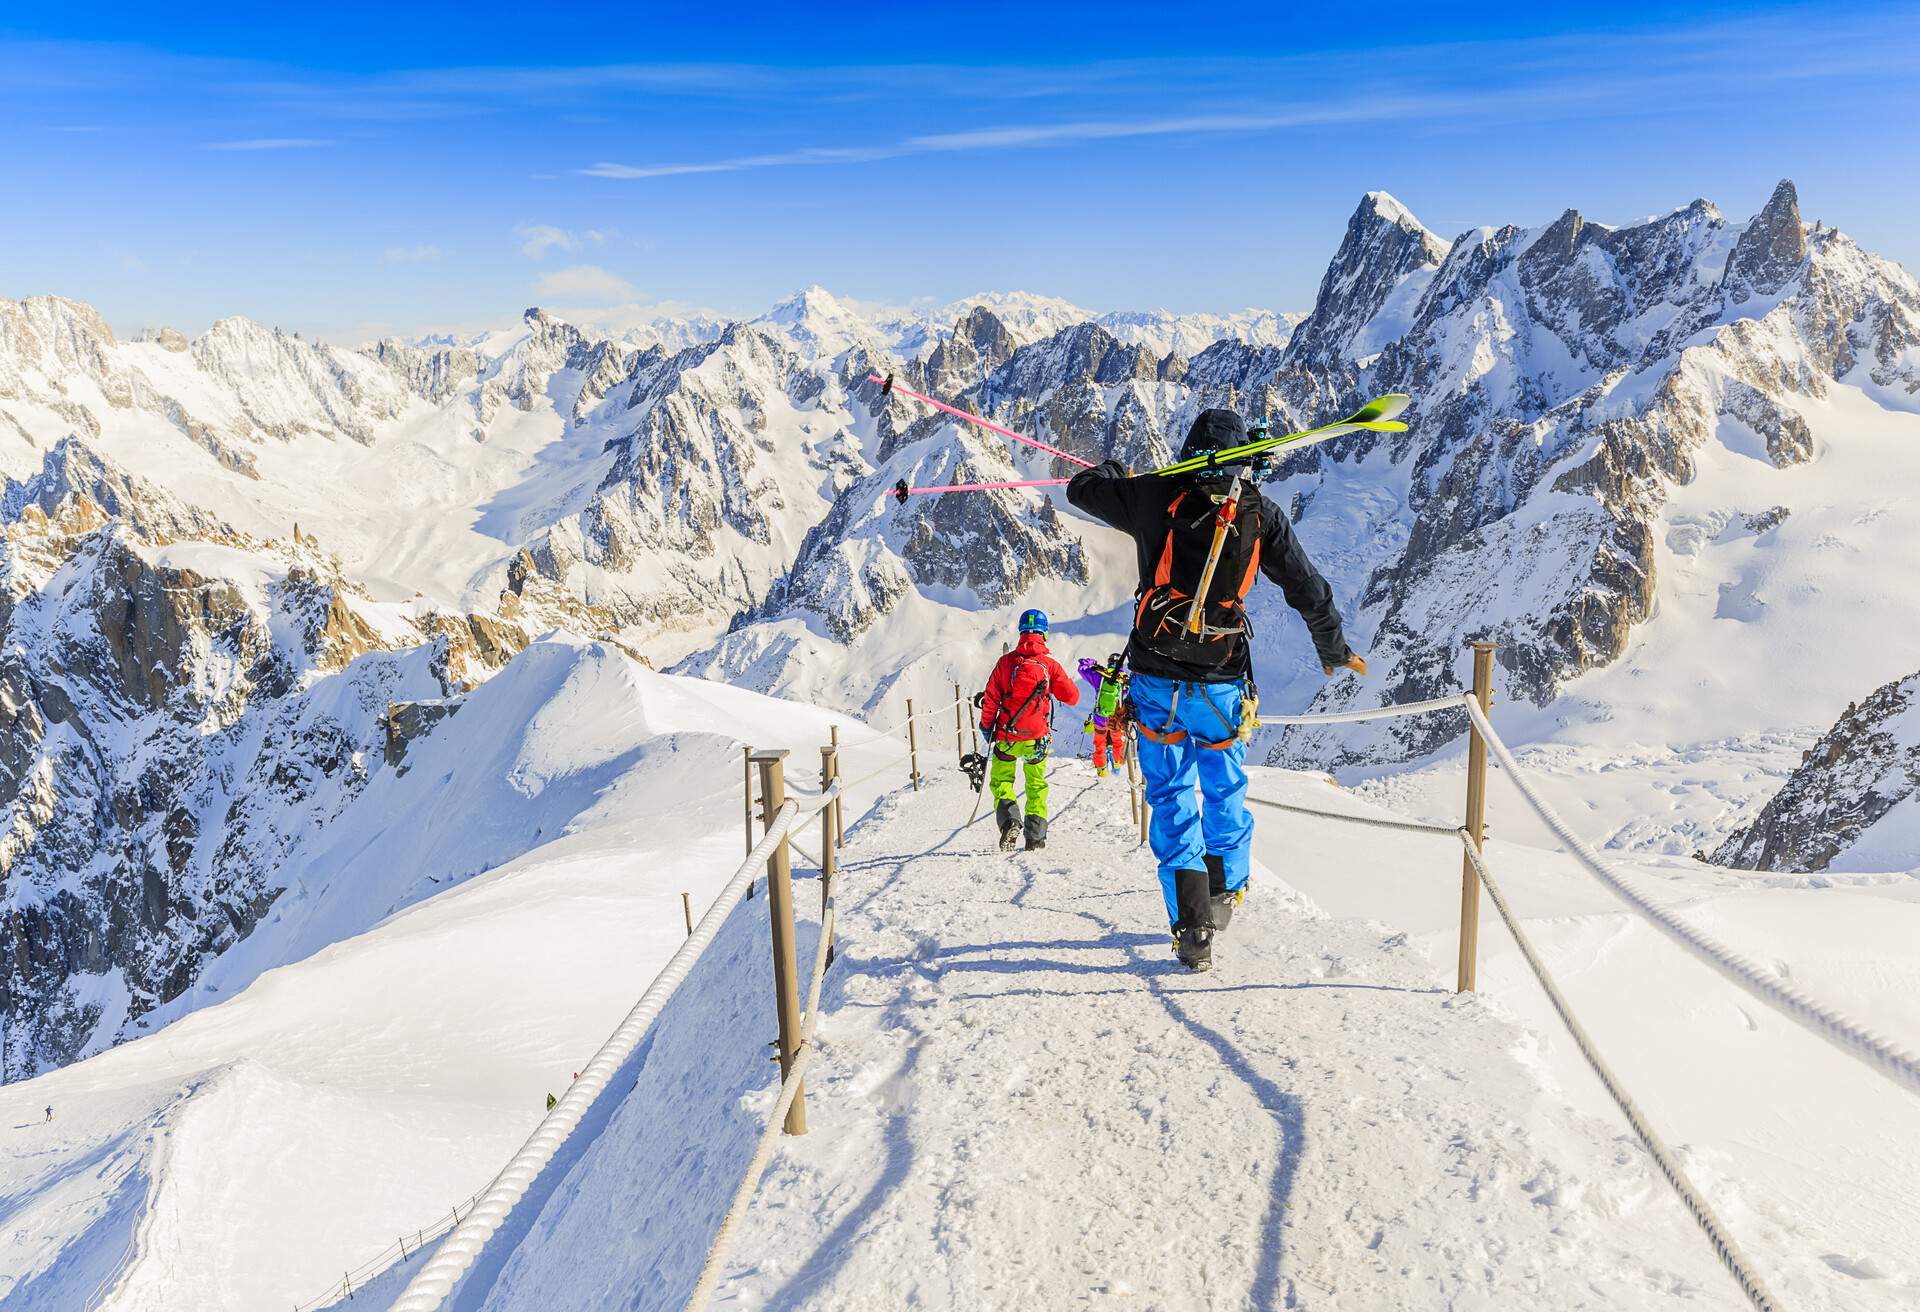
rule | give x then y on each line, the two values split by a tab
434	1282
1849	1036
1378	822
1448	703
763	1151
1724	1247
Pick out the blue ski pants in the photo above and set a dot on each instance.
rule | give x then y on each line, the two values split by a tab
1184	829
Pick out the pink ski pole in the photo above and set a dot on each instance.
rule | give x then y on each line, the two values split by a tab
888	385
901	491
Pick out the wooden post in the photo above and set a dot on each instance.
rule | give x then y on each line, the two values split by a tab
1476	819
786	970
839	816
913	748
746	765
959	724
686	905
829	772
1133	783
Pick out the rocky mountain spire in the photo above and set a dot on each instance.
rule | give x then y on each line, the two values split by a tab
1383	246
1770	250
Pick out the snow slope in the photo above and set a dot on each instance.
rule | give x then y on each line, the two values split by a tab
380	1051
1020	1099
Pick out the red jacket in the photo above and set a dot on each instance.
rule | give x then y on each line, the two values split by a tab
1018	705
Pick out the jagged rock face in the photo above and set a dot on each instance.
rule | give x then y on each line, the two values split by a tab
1770	251
435	373
1564	381
979	344
167	734
1859	771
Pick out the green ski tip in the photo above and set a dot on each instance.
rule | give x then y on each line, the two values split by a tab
1376	416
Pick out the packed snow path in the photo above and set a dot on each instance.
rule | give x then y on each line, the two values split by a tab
1022	1100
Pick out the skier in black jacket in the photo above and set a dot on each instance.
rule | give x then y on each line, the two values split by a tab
1188	691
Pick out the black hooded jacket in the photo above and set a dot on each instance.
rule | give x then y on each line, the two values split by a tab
1138	508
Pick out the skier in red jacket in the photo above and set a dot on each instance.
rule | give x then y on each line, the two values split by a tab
1016	716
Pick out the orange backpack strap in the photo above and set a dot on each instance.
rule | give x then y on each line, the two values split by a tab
1163	572
1253	571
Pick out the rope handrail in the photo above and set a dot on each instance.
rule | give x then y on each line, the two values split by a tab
432	1284
790	1087
1852	1038
1724	1247
1378	822
1451	702
892	729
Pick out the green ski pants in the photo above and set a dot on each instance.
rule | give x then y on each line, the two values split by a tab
1033	759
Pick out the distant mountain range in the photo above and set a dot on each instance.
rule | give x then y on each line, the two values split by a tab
242	570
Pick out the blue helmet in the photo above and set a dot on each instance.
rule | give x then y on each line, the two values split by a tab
1033	621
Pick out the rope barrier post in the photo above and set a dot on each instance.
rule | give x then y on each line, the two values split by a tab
959	724
1476	825
839	825
829	772
786	969
686	905
1133	782
913	748
746	767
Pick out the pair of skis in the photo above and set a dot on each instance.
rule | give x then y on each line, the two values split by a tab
1379	415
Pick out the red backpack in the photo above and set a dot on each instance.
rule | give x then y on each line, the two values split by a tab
1040	690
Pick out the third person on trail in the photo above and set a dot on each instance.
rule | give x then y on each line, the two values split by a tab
1192	687
1016	716
1107	725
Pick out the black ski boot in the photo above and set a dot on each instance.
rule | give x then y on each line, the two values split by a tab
1009	819
1036	832
1193	934
1222	901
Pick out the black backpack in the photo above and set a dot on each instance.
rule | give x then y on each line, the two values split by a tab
1166	603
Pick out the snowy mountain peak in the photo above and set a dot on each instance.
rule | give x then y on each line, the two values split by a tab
1385	206
810	302
1368	294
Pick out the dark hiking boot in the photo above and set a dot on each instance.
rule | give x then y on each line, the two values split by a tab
1008	819
1223	902
1194	932
1036	832
1194	946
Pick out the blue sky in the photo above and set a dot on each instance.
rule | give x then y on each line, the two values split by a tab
352	170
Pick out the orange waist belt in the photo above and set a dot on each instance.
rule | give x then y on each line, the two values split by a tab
1171	737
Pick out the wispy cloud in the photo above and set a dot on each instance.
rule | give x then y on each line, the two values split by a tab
536	239
414	254
1547	78
587	282
270	143
1039	134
